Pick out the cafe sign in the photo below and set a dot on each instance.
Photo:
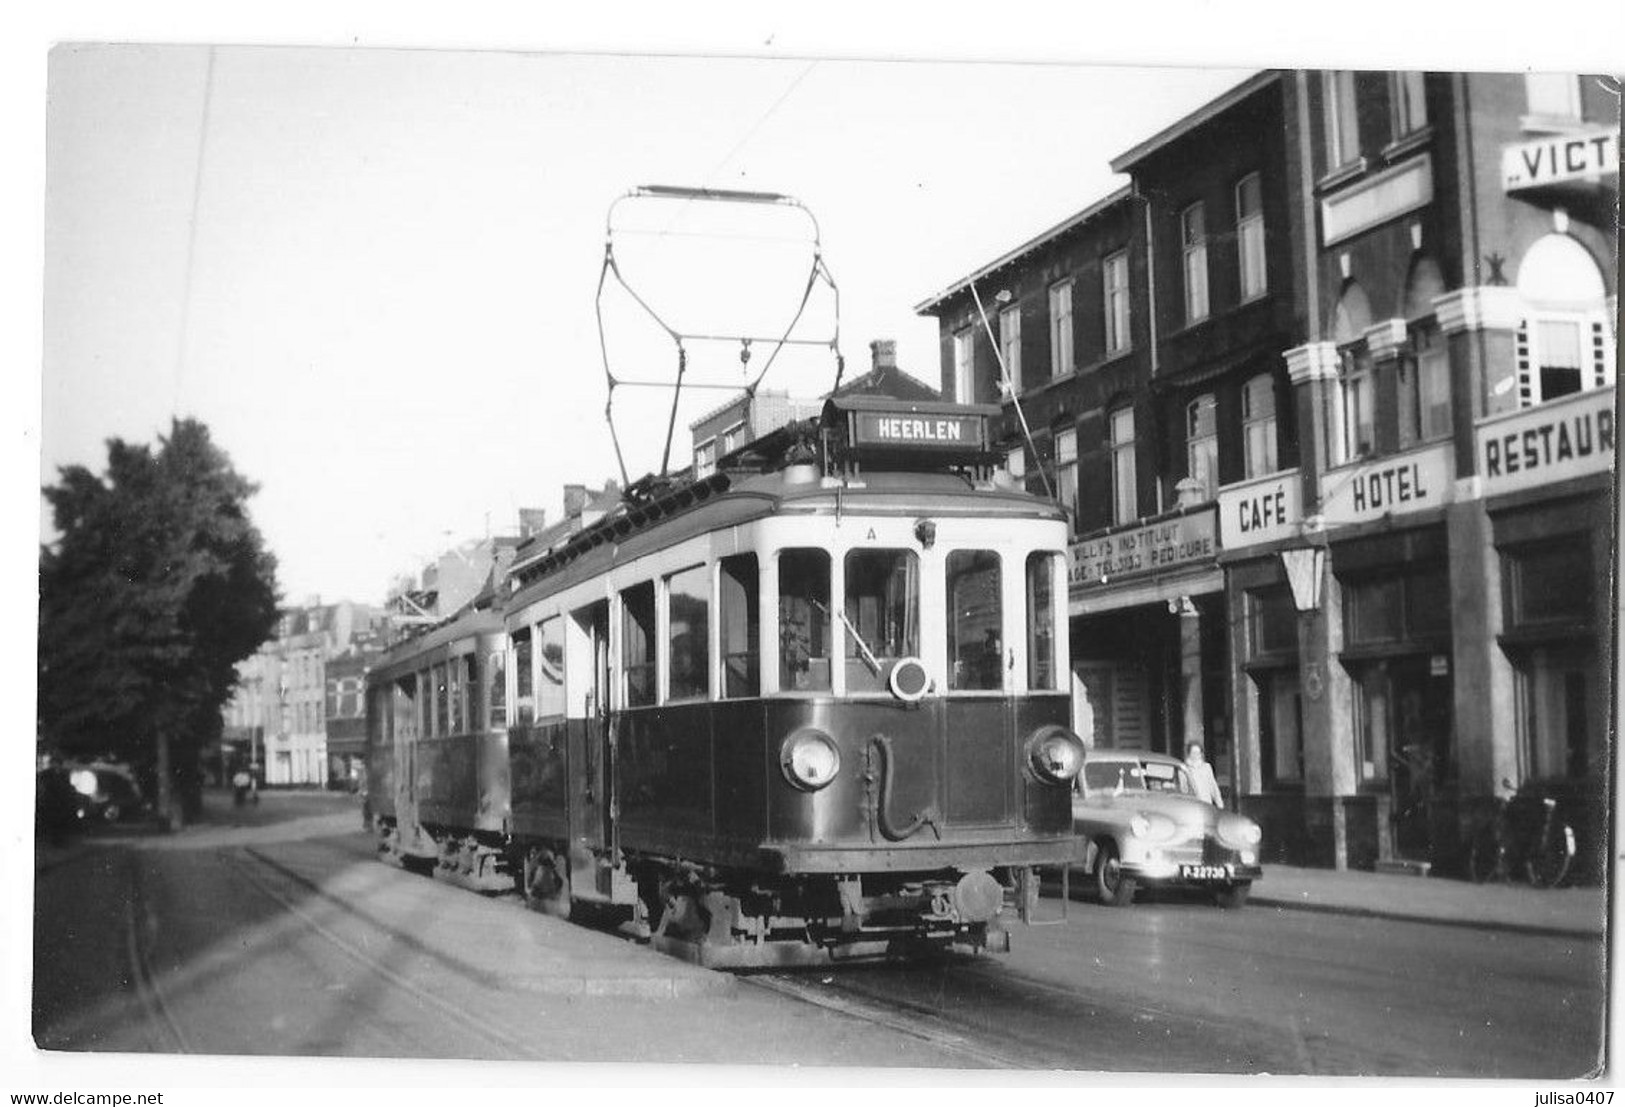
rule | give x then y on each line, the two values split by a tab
1559	159
1555	441
1259	511
1398	485
1156	547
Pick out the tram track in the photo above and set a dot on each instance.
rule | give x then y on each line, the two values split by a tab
140	927
252	865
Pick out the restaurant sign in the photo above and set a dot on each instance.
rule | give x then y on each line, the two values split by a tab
1156	547
1555	441
1397	485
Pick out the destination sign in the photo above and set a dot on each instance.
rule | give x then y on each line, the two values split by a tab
917	431
1550	161
1157	547
1556	441
1396	485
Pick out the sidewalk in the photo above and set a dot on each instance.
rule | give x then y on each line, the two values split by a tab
1561	912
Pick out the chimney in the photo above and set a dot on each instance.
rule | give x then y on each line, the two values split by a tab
883	354
531	520
575	500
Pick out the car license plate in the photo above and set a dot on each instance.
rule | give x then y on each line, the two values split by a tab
1206	872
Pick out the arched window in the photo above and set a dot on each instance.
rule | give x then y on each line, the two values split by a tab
1565	343
1356	414
1424	370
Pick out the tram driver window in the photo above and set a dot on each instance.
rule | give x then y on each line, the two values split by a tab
883	609
804	621
739	610
638	644
975	622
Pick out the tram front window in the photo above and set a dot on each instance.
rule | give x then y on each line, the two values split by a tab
804	620
882	614
975	621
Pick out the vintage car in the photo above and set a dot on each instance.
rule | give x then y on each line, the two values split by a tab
107	791
1145	826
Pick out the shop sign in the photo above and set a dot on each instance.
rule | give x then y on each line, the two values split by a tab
1157	547
1266	510
1556	441
1559	159
1395	485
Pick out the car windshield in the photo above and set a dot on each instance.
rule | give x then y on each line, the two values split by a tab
1137	776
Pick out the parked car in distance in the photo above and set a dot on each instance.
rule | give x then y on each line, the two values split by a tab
108	791
1145	826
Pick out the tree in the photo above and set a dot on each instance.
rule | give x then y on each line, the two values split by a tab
157	585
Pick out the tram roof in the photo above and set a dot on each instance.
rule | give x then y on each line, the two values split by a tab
469	623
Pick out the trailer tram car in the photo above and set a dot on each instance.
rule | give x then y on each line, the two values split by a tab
811	705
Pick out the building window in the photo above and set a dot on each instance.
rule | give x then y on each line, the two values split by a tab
1115	275
1341	118
733	438
1125	505
1359	415
965	367
1424	389
739	612
705	458
1066	472
804	621
1010	346
1250	235
1550	585
1408	95
1565	343
1280	726
1202	443
1193	232
1060	329
1553	95
1258	425
975	621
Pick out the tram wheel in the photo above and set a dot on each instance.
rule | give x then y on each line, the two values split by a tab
545	882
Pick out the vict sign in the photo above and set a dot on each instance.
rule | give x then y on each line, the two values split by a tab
1559	158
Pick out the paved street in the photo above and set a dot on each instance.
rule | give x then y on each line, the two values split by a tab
271	930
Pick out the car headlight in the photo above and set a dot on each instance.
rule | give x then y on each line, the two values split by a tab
809	759
83	781
1238	833
1139	826
1056	754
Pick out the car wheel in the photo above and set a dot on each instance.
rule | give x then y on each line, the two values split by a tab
111	813
1233	896
1116	889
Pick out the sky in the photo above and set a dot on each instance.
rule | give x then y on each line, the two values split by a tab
372	273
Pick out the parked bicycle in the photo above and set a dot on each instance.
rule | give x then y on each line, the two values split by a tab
1526	839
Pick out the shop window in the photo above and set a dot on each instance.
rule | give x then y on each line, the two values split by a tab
1258	425
496	694
1407	95
1272	623
1060	329
1042	569
1010	345
882	614
965	366
638	644
1341	118
1250	235
1550	584
1371	721
1410	606
688	642
1373	611
1552	686
1202	443
1280	726
550	668
804	621
1125	505
524	676
1115	275
1066	473
739	613
1193	235
975	621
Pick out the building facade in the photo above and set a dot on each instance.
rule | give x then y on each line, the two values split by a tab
1367	340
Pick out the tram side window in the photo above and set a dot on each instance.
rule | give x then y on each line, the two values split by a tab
456	689
403	708
688	618
975	621
1041	568
638	644
442	702
496	695
524	694
550	668
883	606
739	610
804	630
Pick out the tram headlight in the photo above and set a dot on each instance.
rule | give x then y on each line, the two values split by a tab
809	759
1056	754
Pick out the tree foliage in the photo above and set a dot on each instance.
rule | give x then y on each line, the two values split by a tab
156	586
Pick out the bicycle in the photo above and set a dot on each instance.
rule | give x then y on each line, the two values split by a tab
1525	838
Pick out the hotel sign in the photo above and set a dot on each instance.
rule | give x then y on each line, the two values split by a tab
1157	547
1398	485
1566	438
1259	511
1559	159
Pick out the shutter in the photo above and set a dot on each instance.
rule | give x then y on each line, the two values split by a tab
1527	384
